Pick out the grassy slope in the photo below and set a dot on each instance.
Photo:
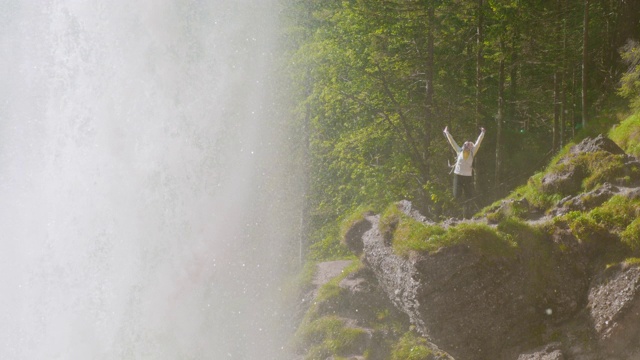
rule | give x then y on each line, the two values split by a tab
617	217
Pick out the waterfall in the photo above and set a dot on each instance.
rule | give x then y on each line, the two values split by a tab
138	147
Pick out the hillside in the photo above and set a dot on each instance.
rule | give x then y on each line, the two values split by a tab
550	272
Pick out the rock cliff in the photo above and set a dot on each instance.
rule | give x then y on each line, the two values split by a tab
565	286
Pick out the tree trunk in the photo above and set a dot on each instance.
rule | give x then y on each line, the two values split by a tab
563	86
585	59
429	83
499	122
574	101
556	112
513	77
479	61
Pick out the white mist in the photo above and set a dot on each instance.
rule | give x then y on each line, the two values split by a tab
135	140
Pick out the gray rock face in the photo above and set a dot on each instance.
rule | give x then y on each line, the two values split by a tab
614	306
568	180
470	306
474	307
549	352
599	143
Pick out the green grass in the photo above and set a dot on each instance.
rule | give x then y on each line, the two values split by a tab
631	236
321	336
595	168
329	336
411	347
329	247
616	217
633	261
353	217
535	195
627	135
332	289
410	235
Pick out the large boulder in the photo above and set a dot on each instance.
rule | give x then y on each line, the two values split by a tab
552	298
614	306
569	174
471	306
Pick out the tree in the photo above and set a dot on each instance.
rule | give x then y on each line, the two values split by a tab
377	79
585	62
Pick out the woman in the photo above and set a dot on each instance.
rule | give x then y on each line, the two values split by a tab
463	169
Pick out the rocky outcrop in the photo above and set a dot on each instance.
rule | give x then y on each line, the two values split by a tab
553	301
471	306
614	306
556	297
475	307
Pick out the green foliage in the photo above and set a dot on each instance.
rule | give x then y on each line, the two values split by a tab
324	336
617	213
304	279
411	347
630	82
615	218
627	135
603	167
360	71
633	261
534	194
593	168
329	247
328	336
411	235
584	227
631	236
480	238
332	289
521	232
390	219
353	217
